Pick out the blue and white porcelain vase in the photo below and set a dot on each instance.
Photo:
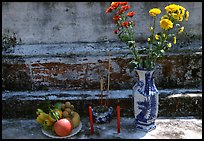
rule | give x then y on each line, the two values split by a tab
100	116
146	100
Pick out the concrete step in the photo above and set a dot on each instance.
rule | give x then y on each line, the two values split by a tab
166	128
172	102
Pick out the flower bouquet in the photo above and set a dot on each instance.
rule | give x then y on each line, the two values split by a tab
159	40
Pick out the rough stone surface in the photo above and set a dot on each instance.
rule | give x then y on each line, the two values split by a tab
76	66
63	22
16	77
172	103
174	128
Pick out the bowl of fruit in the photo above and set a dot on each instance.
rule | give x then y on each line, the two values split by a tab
62	120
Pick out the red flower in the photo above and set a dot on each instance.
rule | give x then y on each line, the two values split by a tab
109	9
116	18
120	11
130	14
125	7
123	3
115	31
114	5
125	24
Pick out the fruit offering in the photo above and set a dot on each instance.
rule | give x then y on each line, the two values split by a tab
61	119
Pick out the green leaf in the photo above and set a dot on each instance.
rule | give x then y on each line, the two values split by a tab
142	51
124	38
133	65
130	43
162	51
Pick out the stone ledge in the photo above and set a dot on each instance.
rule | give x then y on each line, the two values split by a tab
90	94
183	102
93	49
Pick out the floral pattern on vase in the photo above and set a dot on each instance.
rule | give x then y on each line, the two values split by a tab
102	117
146	100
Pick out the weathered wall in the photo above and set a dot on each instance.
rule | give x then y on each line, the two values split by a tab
77	68
64	42
62	22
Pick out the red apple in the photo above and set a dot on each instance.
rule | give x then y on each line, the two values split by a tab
63	127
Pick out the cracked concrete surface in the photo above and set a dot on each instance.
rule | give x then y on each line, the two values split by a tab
174	128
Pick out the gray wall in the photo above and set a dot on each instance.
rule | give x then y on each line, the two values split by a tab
63	44
64	22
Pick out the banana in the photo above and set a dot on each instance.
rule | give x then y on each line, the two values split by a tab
39	111
48	122
38	120
43	116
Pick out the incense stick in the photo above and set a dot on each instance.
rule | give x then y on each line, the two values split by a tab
101	87
108	88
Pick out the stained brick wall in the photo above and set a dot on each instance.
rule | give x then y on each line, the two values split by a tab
79	71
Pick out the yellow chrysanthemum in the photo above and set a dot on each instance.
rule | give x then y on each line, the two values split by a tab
187	15
154	11
171	8
157	37
180	18
175	11
181	10
181	29
165	17
175	16
148	39
174	39
166	24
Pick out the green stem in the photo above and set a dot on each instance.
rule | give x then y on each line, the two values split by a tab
150	56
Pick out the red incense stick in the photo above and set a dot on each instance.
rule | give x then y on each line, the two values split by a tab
118	118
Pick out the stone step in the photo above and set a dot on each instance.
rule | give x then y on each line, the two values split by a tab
172	102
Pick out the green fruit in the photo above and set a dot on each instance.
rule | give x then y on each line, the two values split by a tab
75	119
58	105
55	114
